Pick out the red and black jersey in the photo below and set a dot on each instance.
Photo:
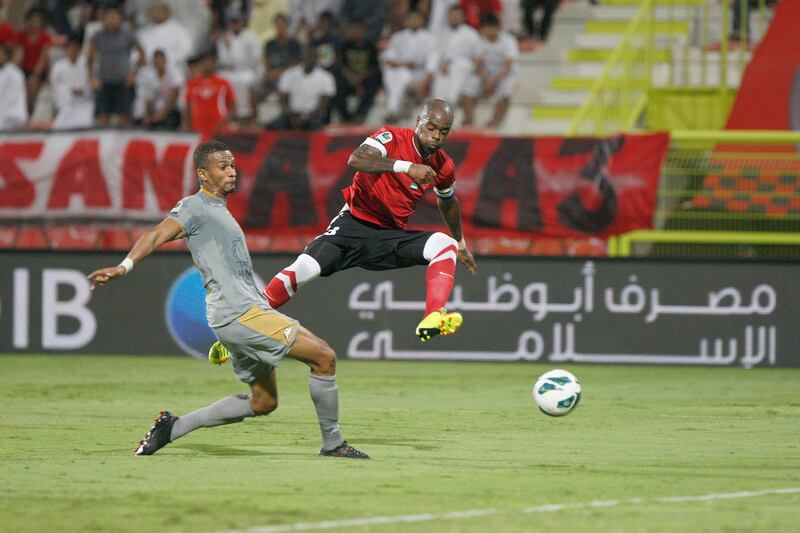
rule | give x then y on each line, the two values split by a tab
388	198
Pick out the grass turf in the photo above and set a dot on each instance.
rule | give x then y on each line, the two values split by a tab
443	436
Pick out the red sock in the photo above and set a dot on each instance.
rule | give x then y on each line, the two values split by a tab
440	279
281	289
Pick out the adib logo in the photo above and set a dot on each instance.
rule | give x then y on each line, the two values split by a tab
185	313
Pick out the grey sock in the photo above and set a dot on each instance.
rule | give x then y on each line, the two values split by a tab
325	395
225	411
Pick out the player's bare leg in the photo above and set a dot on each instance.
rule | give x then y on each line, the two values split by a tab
321	359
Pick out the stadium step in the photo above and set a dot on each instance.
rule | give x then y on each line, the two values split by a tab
554	112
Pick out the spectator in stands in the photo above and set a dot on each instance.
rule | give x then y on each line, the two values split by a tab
304	14
280	53
114	78
453	63
9	37
403	64
542	29
210	99
35	42
371	15
495	64
357	73
158	89
72	89
326	40
167	34
439	13
194	15
239	55
13	101
475	9
306	91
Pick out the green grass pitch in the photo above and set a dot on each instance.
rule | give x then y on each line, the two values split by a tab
445	438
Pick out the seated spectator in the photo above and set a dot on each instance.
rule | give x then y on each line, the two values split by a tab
439	13
238	55
35	42
113	80
542	29
72	89
158	88
357	73
495	62
306	91
167	34
194	16
280	53
403	63
210	99
371	15
13	101
453	63
326	40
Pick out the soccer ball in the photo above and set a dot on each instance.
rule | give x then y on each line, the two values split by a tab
557	392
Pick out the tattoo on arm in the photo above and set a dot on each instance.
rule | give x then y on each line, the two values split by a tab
369	159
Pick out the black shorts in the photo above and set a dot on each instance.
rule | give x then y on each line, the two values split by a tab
113	99
351	242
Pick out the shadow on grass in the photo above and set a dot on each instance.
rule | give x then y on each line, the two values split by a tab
229	451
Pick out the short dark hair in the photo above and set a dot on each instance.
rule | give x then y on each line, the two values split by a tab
202	152
489	19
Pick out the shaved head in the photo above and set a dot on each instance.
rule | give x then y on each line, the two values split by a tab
437	109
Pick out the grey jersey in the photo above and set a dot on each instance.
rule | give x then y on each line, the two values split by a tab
219	251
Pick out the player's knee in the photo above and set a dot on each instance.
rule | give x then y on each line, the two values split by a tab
436	243
263	405
326	361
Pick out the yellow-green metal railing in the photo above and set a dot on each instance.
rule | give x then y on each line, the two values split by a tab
622	245
620	94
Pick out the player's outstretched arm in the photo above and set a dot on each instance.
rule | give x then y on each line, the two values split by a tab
450	210
368	159
168	230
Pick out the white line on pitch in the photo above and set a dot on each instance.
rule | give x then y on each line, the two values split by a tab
477	513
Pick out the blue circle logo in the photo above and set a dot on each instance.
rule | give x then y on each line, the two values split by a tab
186	314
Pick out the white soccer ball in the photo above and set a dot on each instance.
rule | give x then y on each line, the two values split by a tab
557	392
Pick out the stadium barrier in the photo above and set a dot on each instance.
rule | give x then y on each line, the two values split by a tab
715	182
564	311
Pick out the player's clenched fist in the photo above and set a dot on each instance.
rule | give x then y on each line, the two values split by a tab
421	174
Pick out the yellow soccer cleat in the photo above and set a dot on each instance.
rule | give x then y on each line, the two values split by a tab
218	354
439	323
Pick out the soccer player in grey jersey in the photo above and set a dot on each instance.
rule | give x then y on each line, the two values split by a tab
256	336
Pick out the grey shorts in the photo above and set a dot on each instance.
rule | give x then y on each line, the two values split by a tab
257	341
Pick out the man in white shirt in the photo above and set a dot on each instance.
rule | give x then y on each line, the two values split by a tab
157	92
496	71
452	64
13	99
72	90
165	33
403	63
239	60
306	91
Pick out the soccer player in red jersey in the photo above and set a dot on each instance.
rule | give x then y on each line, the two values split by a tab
395	167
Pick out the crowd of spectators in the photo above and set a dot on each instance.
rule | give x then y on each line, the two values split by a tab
207	65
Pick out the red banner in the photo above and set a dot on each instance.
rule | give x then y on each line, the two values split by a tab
511	190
